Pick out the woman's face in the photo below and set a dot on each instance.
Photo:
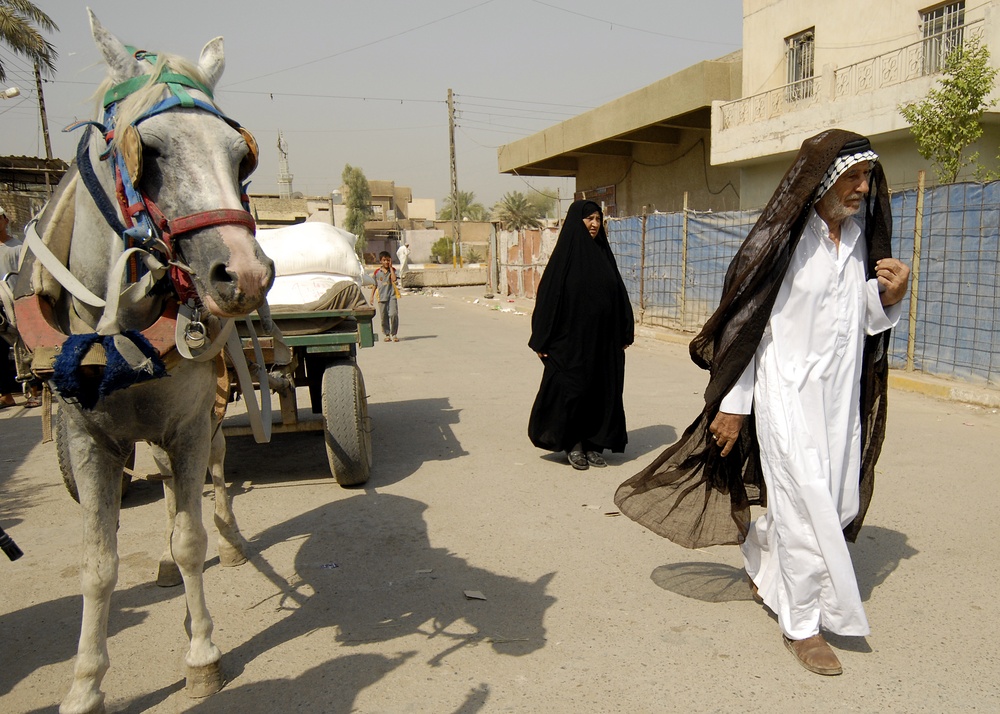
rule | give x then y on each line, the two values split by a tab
593	223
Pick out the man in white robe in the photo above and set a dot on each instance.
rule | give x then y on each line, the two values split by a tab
804	388
403	254
789	344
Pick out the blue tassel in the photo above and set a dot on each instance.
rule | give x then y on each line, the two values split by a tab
117	374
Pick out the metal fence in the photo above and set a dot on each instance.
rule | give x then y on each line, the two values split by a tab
673	265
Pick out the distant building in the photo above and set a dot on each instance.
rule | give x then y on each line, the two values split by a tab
394	212
25	185
270	210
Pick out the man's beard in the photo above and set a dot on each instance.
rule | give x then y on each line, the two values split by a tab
831	205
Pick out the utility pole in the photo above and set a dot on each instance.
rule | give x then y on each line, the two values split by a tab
45	126
456	219
41	111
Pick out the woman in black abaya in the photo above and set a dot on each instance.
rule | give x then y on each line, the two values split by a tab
580	327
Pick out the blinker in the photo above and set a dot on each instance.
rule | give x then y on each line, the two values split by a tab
130	148
249	162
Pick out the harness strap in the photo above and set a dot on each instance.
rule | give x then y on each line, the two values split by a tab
260	415
129	86
225	326
89	178
206	219
60	272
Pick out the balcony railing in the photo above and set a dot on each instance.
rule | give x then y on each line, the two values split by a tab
901	65
910	62
770	104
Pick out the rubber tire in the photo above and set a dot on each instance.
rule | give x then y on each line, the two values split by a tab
62	452
345	423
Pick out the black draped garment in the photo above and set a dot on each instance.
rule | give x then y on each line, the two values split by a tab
690	493
583	321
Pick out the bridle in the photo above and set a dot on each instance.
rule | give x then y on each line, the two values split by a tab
145	225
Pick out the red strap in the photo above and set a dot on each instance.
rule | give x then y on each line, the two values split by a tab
217	217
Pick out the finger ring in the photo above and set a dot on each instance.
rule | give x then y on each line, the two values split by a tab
715	437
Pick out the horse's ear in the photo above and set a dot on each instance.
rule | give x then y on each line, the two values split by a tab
212	61
123	65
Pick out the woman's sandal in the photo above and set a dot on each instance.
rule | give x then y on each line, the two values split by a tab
33	401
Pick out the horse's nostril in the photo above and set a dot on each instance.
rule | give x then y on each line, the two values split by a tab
221	274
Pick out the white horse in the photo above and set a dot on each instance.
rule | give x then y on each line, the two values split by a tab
186	161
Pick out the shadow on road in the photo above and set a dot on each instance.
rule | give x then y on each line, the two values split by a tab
876	555
367	568
47	633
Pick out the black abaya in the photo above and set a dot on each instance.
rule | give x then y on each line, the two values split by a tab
582	321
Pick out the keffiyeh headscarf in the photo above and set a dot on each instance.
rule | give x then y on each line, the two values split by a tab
854	152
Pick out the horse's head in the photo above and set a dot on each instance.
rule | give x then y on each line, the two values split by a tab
189	161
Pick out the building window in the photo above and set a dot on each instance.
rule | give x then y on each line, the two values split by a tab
799	49
943	31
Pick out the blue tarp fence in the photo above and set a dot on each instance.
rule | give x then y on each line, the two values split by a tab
673	265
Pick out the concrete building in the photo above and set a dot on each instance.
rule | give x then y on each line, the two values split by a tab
644	149
810	66
805	66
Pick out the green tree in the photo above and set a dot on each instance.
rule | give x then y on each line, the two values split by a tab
358	199
545	201
467	208
947	121
514	211
443	249
20	21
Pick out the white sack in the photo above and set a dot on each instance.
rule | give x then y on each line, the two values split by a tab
303	289
311	248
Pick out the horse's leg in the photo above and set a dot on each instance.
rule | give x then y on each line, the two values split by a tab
232	546
188	544
97	469
168	575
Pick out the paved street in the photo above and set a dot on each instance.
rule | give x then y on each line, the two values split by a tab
354	600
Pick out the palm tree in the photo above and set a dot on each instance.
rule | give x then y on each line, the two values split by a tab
514	211
468	208
19	23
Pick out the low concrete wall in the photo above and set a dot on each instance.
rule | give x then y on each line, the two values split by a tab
444	277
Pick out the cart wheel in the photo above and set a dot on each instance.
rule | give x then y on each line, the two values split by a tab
345	419
62	452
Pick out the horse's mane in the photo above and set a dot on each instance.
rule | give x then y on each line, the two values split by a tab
147	96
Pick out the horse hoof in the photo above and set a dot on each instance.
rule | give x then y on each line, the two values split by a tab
95	706
169	575
231	556
204	681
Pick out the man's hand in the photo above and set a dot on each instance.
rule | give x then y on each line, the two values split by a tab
725	430
893	276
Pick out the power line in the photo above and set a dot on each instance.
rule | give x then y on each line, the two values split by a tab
362	46
525	101
500	126
309	95
635	29
490	115
516	109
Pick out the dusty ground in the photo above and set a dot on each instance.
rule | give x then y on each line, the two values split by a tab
353	600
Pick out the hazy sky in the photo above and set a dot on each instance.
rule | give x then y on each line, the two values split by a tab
365	82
